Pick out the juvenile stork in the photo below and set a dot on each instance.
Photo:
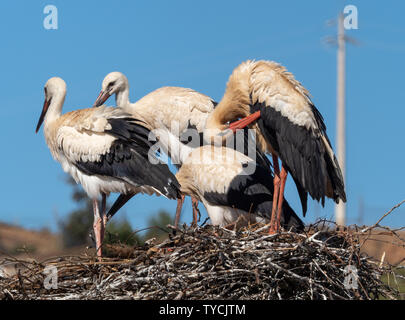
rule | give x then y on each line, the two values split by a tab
170	112
104	149
288	126
230	189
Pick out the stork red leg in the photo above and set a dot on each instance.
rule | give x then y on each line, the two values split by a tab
274	228
283	179
103	212
178	210
98	227
196	212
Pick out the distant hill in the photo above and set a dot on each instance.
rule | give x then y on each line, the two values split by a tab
17	241
382	241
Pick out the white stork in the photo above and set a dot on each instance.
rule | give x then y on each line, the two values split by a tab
220	178
171	111
104	149
287	125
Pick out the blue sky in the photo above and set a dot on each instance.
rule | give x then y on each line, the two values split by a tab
197	44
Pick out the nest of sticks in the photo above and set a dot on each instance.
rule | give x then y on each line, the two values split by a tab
214	263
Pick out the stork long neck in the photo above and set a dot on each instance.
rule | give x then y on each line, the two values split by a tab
235	102
224	112
55	108
122	98
234	105
230	108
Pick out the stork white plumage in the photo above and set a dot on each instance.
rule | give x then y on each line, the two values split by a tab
220	178
103	149
165	107
287	125
172	111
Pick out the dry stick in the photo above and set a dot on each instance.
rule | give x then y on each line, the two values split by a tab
369	229
386	214
304	279
326	276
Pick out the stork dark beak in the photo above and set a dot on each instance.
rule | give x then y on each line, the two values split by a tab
118	204
43	113
102	97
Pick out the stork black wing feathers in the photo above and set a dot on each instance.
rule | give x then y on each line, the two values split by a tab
302	152
254	194
128	159
262	160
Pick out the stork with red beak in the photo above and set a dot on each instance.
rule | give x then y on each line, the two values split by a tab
170	110
105	150
288	126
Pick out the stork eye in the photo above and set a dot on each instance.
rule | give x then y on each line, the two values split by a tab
111	84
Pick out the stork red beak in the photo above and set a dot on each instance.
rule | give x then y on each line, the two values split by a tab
240	124
43	113
102	97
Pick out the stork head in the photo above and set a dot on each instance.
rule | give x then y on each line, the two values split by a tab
114	83
55	90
